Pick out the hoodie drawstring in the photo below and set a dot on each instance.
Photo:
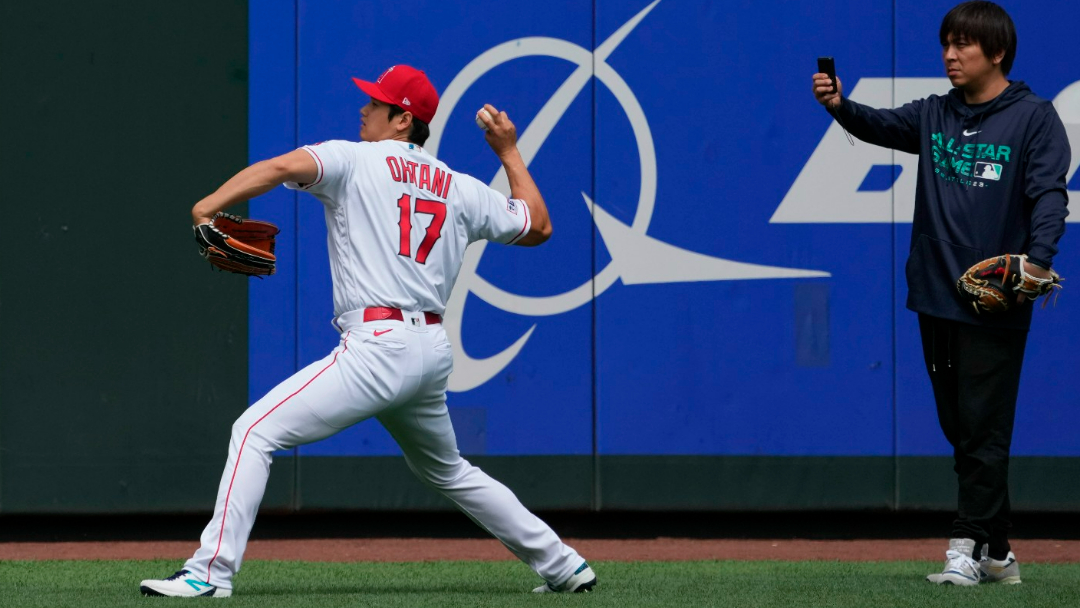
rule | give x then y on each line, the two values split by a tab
978	129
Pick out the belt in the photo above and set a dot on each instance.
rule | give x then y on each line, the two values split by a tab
394	314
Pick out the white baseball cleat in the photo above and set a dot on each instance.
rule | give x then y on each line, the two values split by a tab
960	568
583	581
182	584
1005	571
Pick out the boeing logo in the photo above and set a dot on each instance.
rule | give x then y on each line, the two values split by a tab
636	258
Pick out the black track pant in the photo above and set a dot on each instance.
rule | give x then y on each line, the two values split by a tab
975	372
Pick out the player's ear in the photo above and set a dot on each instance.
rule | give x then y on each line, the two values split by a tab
404	121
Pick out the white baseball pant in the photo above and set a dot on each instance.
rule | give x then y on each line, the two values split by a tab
396	371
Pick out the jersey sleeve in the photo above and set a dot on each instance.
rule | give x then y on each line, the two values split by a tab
334	163
492	216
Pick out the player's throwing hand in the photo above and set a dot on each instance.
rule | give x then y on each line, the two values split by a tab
501	134
824	93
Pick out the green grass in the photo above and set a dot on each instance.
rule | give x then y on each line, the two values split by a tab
267	584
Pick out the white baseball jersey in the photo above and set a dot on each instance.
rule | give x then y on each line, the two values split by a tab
398	222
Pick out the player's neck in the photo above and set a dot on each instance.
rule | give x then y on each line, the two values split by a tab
982	92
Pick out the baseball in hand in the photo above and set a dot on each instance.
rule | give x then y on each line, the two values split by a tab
480	120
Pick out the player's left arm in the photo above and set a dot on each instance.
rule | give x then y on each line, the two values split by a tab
1046	160
260	178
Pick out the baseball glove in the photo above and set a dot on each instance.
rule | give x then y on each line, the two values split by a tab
993	284
238	245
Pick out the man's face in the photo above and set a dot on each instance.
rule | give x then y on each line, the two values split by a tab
375	122
965	63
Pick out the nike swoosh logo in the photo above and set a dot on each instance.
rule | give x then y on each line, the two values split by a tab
1000	569
379	333
966	134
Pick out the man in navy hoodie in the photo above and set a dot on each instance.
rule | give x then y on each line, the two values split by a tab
993	159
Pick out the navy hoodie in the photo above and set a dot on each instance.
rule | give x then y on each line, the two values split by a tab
991	181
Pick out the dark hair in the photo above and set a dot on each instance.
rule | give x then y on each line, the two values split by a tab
985	23
420	131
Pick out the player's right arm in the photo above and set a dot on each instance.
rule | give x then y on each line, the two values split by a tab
260	178
502	137
898	128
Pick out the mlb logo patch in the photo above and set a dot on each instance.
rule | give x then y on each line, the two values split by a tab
511	206
988	171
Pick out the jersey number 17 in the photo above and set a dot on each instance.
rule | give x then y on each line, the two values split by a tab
436	209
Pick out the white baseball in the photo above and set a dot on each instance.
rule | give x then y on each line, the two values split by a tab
480	121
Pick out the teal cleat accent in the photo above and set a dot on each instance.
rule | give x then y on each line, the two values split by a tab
182	584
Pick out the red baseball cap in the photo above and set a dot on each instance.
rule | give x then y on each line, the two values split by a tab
404	86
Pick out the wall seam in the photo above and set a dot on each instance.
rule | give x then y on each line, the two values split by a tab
895	291
296	242
597	494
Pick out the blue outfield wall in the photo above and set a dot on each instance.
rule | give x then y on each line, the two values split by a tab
726	273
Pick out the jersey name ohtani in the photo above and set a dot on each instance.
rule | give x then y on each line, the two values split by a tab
421	175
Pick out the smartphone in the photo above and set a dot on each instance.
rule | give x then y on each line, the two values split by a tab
826	65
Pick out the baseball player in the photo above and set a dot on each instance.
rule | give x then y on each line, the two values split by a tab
398	222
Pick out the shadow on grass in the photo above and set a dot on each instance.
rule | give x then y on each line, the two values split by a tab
411	588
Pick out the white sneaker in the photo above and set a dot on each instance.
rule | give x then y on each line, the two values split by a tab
182	584
583	581
960	568
1005	571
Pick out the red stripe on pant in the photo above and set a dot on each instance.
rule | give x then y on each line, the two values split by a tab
240	452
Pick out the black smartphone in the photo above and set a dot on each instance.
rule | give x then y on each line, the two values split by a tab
826	65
